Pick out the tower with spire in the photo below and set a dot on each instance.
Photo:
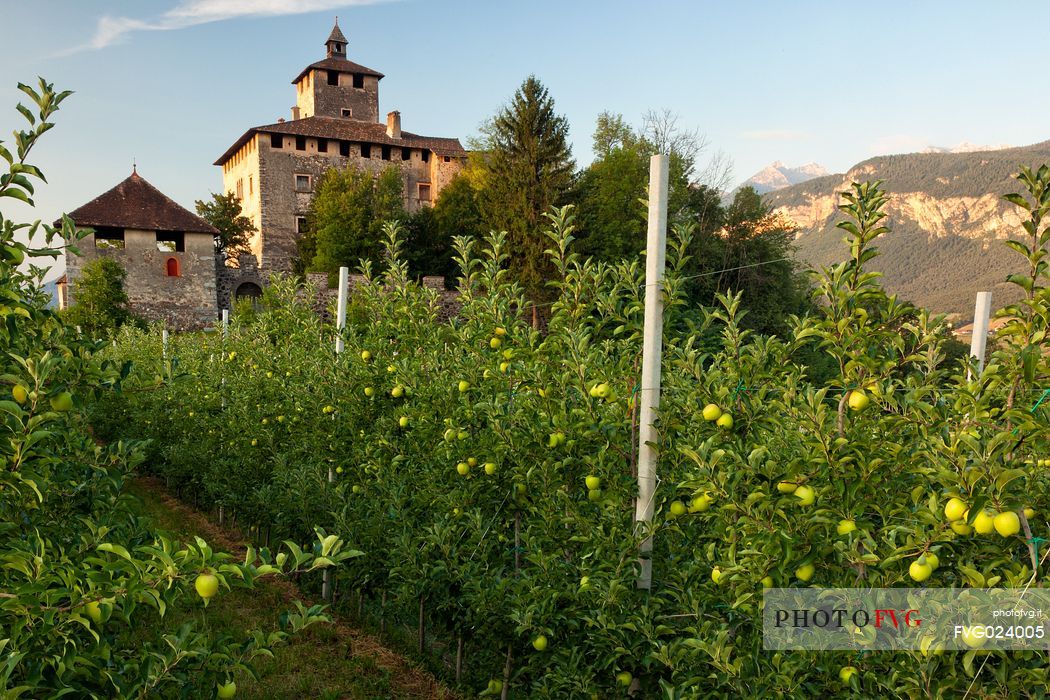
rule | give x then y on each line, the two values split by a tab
274	169
336	86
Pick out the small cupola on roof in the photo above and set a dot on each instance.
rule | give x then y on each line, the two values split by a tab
336	43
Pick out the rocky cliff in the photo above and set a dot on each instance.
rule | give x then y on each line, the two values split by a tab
947	221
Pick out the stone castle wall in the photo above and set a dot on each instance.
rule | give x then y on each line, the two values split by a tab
186	301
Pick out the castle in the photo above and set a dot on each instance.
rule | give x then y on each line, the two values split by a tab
173	272
274	169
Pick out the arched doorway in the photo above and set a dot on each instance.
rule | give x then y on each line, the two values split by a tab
247	290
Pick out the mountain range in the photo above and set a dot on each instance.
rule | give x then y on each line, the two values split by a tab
777	176
947	221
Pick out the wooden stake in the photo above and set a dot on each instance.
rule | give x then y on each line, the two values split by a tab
652	350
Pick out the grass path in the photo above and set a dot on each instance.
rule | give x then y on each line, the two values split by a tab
325	661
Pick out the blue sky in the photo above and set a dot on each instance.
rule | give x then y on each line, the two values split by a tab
172	83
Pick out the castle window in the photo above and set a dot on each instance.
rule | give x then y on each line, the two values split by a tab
251	186
447	159
300	224
109	238
386	152
366	150
276	140
302	183
424	192
346	112
322	145
300	143
425	154
359	81
240	189
344	148
171	267
333	77
406	153
171	242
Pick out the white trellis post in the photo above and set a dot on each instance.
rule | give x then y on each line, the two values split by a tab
164	344
340	324
979	340
225	322
652	351
222	380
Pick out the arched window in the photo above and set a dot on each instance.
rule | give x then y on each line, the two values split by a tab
171	267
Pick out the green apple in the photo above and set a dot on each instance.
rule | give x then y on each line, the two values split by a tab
961	528
593	482
933	560
357	488
463	468
450	435
207	586
677	508
94	611
594	495
846	673
338	470
806	495
490	468
463	386
845	527
328	409
725	421
403	421
472	462
1029	513
955	509
19	393
712	412
539	643
787	487
920	570
227	690
698	504
984	523
462	435
370	392
504	366
805	572
62	402
971	639
366	356
398	391
716	574
767	582
1007	523
624	678
495	343
495	687
858	400
500	331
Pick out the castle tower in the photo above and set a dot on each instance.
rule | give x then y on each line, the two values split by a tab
337	87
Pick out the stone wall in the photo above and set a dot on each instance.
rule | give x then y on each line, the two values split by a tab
329	100
283	203
230	280
186	301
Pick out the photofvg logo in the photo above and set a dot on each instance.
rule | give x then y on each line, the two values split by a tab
921	619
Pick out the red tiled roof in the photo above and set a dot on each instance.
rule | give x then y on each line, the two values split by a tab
337	64
350	130
135	203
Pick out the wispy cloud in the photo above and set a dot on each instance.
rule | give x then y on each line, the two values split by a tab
773	135
189	13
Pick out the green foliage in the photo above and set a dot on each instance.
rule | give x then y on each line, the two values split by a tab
431	230
298	438
100	304
235	230
527	167
347	215
81	572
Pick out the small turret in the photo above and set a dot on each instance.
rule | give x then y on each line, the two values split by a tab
336	43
